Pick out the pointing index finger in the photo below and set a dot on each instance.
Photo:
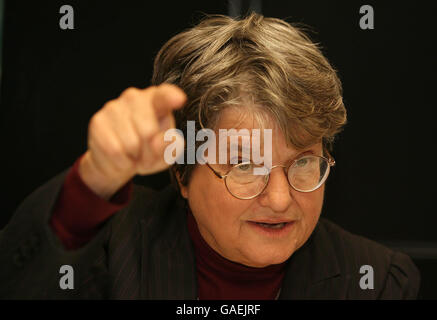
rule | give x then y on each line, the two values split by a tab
167	97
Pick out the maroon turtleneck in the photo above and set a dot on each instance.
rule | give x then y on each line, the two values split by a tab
79	212
219	278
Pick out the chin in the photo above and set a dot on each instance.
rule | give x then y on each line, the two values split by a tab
263	260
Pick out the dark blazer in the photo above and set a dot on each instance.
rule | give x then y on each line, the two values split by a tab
144	252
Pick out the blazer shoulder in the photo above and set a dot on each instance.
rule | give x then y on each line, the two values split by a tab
148	205
146	201
353	248
393	273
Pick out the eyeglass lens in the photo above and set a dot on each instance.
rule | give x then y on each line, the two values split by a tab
305	174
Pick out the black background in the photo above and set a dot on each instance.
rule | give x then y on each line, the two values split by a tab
382	187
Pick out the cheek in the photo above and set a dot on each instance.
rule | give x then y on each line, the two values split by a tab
310	203
310	206
214	207
205	191
217	213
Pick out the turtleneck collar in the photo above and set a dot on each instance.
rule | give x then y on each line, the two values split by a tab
220	278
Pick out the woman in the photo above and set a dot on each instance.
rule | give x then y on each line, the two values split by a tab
223	231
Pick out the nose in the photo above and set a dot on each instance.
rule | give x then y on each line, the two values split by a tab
277	194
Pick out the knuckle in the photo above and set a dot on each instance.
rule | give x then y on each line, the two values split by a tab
110	106
96	120
150	89
113	150
132	146
130	93
148	131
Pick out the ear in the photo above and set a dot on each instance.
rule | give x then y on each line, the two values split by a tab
182	188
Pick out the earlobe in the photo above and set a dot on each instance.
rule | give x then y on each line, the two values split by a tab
182	188
184	191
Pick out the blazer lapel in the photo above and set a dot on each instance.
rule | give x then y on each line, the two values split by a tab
313	271
168	265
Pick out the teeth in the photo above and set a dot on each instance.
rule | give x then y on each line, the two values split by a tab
273	226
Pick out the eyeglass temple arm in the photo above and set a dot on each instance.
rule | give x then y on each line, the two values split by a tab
330	159
215	172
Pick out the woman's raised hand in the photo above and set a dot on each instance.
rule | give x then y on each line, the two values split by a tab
126	137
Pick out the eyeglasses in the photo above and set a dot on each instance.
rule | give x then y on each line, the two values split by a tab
305	174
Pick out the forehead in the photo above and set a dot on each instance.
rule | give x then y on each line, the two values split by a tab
243	117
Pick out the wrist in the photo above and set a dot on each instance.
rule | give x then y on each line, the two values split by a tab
103	184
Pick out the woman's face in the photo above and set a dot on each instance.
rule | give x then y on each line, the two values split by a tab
228	225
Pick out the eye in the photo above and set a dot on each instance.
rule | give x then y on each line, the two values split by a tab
246	167
302	162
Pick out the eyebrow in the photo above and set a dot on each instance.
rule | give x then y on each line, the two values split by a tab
239	148
290	159
297	156
303	153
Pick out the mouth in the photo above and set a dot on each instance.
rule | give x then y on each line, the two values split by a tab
272	225
272	229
